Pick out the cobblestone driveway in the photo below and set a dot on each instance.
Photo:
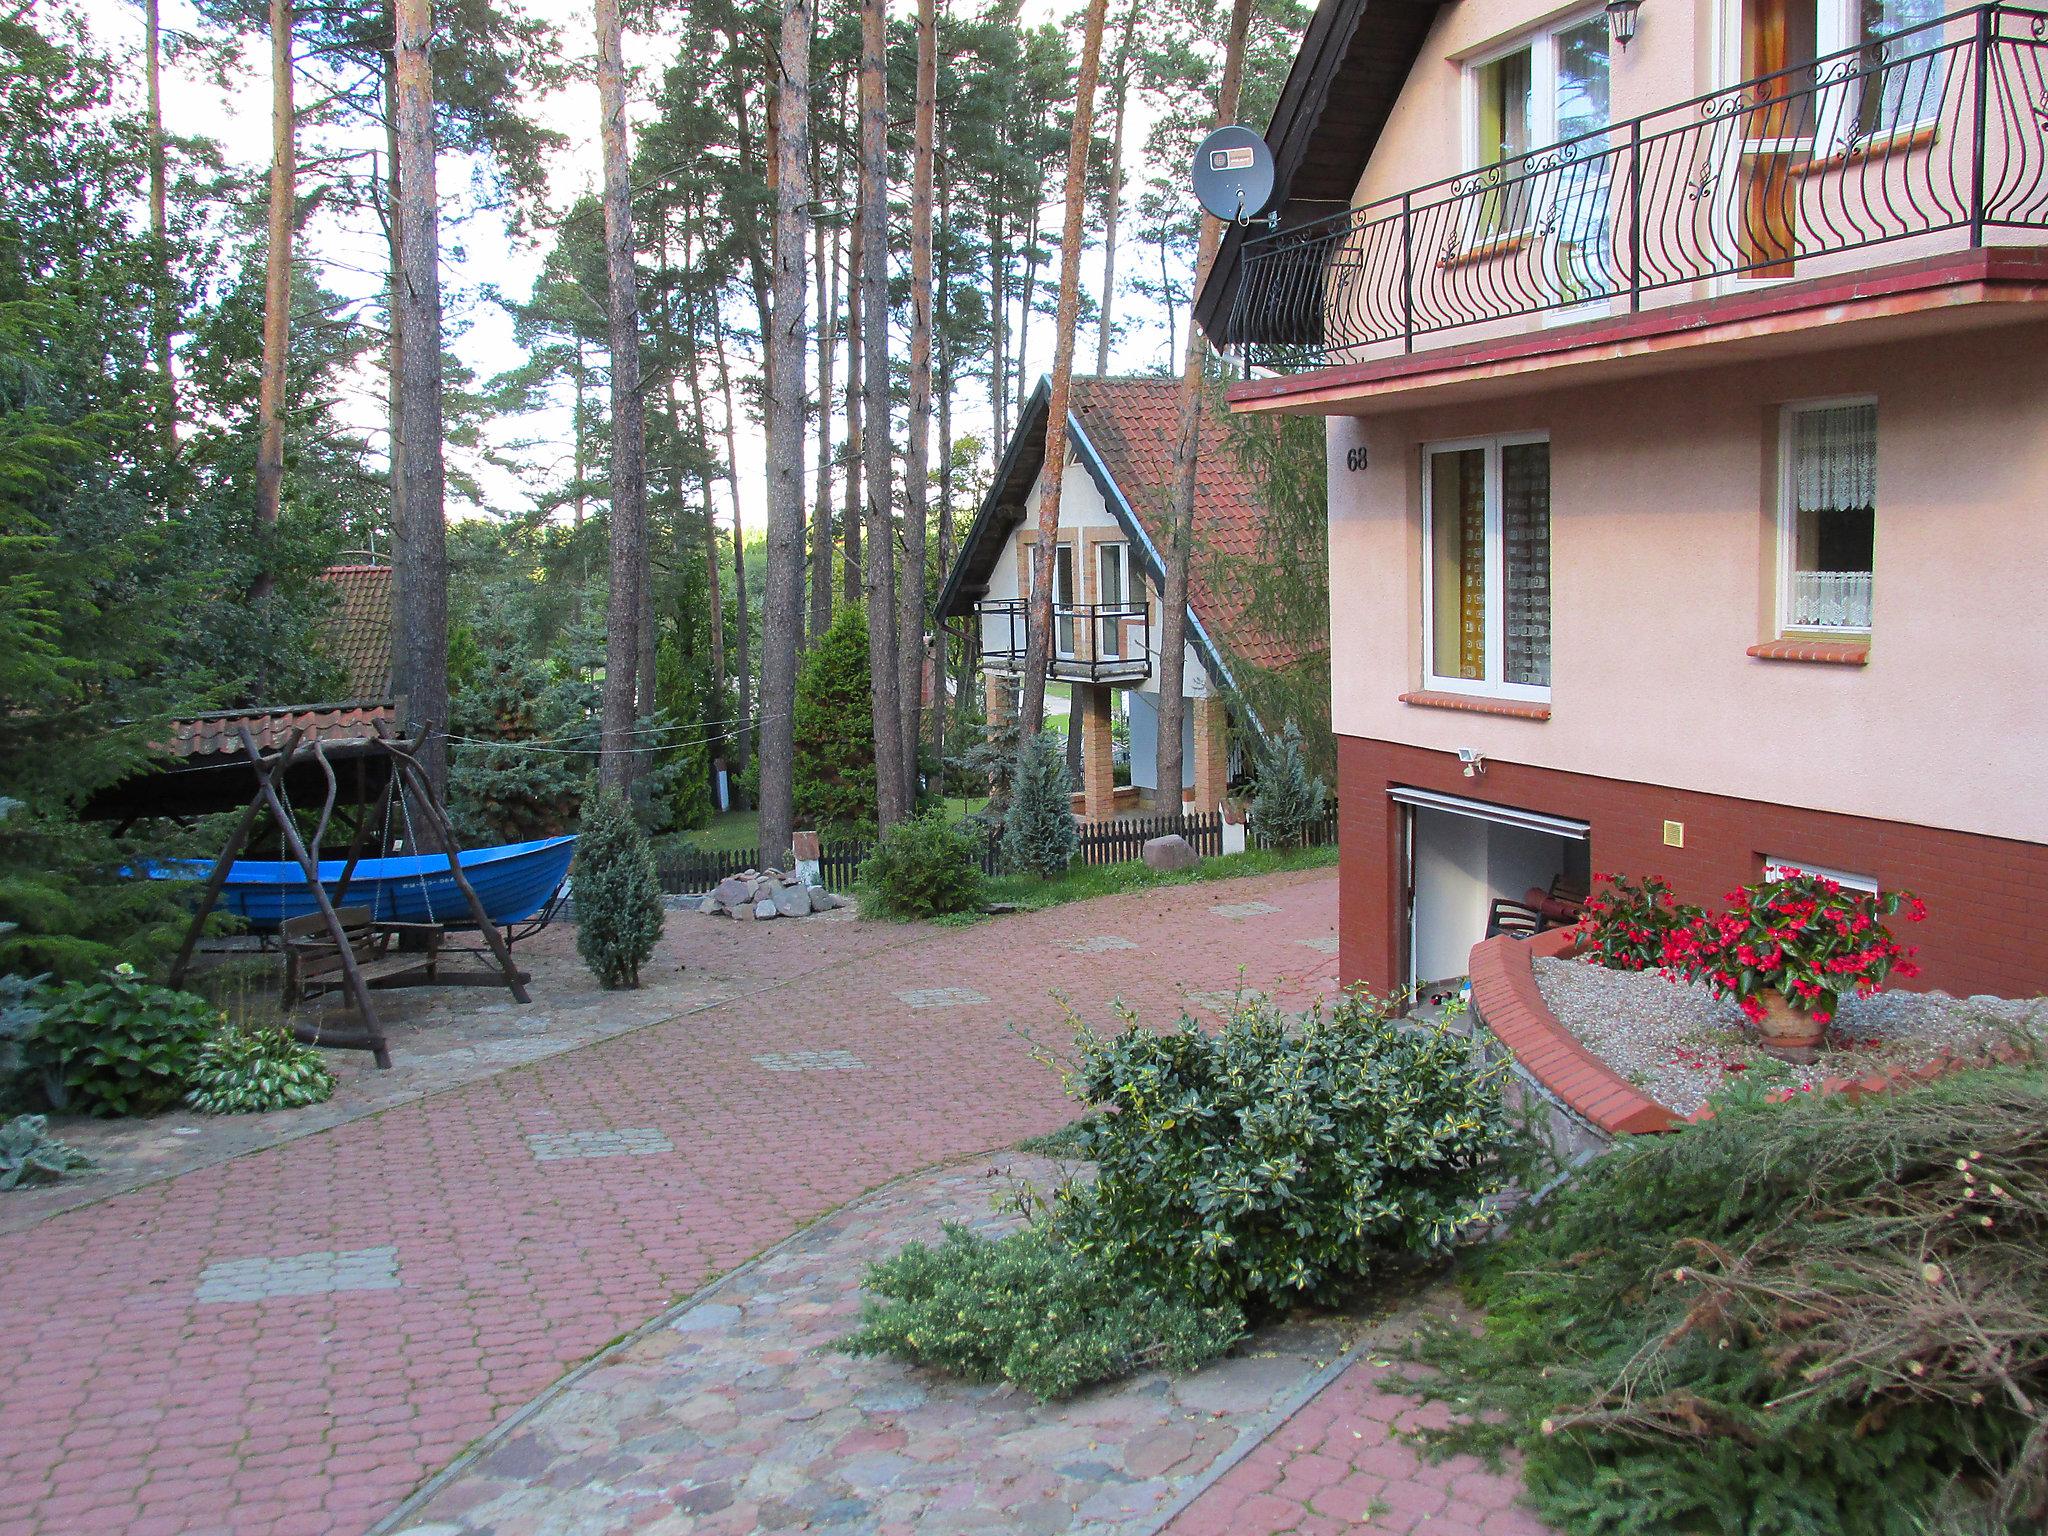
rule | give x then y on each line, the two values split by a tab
290	1340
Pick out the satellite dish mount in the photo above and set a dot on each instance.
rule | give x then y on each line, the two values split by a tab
1233	176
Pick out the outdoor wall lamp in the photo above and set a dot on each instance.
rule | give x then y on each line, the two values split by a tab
1474	761
1621	20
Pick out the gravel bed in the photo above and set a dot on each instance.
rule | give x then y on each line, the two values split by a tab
1677	1042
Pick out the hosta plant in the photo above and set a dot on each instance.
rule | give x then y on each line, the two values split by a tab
1625	924
118	1046
1806	937
29	1154
254	1068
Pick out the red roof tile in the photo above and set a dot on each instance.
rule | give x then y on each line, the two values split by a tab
1133	425
357	632
219	735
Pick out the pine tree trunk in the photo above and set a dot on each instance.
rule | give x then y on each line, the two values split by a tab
1113	197
1178	535
714	597
910	620
394	355
162	317
743	739
617	763
874	281
1024	313
1038	628
999	367
277	284
782	616
827	279
850	518
943	352
419	651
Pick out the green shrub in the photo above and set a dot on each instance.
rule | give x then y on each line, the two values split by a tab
21	1009
833	763
1273	1160
118	1046
618	898
1039	835
1027	1309
1813	1318
1287	801
29	1154
1626	924
925	866
255	1068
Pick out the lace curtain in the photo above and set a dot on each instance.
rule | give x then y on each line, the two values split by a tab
1834	464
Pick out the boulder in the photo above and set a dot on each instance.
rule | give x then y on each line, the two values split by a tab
709	904
792	901
1170	852
733	890
764	909
823	900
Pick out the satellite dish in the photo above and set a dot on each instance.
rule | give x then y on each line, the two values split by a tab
1234	174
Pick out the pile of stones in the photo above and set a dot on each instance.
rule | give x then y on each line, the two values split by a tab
762	894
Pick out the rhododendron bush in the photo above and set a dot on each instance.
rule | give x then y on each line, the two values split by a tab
1805	936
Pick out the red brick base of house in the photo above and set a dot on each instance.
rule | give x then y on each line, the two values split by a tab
1987	897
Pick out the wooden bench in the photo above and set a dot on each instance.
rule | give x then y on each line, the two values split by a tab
312	960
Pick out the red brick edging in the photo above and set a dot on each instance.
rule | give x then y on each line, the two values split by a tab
1509	1004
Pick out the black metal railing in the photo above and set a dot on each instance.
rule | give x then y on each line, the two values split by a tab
1934	128
1092	642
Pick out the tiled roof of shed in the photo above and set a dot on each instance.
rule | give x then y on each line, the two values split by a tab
219	735
357	632
1133	425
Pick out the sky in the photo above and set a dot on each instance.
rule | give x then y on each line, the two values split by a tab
479	255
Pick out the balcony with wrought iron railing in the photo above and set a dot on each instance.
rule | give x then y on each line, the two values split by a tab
1938	130
1092	642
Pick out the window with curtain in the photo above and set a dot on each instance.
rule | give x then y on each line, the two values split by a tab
1908	82
1828	523
1487	587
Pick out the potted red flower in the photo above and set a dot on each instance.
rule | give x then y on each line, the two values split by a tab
1788	951
1625	924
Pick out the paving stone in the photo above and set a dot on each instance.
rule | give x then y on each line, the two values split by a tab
1223	1001
1102	944
1243	908
810	1061
567	1146
942	997
301	1274
1327	945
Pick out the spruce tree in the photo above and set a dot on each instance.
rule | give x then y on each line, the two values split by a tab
1288	800
835	757
1039	832
618	898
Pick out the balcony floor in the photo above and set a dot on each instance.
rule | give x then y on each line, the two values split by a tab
1981	287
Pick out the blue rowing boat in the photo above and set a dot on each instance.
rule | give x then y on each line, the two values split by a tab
514	882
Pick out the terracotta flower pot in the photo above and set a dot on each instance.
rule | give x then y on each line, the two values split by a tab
1785	1031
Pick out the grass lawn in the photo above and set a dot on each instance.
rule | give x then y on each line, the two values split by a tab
736	831
1029	893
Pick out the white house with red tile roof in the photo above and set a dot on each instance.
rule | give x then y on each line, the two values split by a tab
1107	578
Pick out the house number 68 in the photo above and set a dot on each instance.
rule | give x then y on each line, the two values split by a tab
1355	460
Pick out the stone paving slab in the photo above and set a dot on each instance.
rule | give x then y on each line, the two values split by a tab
736	1415
302	1274
130	1406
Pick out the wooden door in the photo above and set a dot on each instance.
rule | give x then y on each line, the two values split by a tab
1777	35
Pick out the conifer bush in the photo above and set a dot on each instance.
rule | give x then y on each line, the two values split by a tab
1818	1317
617	894
834	756
1039	835
924	866
1287	800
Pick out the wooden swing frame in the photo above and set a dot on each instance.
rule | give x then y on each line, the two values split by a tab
406	778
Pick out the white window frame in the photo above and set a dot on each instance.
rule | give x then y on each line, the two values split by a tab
1491	686
1788	522
1542	90
1118	550
1776	868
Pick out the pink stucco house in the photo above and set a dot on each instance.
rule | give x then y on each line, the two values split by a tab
1688	451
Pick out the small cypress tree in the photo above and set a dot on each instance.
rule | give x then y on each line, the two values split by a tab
618	898
834	754
1039	832
1288	800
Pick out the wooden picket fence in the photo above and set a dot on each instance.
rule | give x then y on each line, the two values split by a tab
1116	842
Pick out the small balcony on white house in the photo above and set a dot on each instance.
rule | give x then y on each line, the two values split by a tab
1091	642
1910	151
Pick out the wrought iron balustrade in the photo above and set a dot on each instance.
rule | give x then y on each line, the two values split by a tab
1938	127
1092	642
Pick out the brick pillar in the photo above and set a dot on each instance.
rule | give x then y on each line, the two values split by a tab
1212	754
1098	772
